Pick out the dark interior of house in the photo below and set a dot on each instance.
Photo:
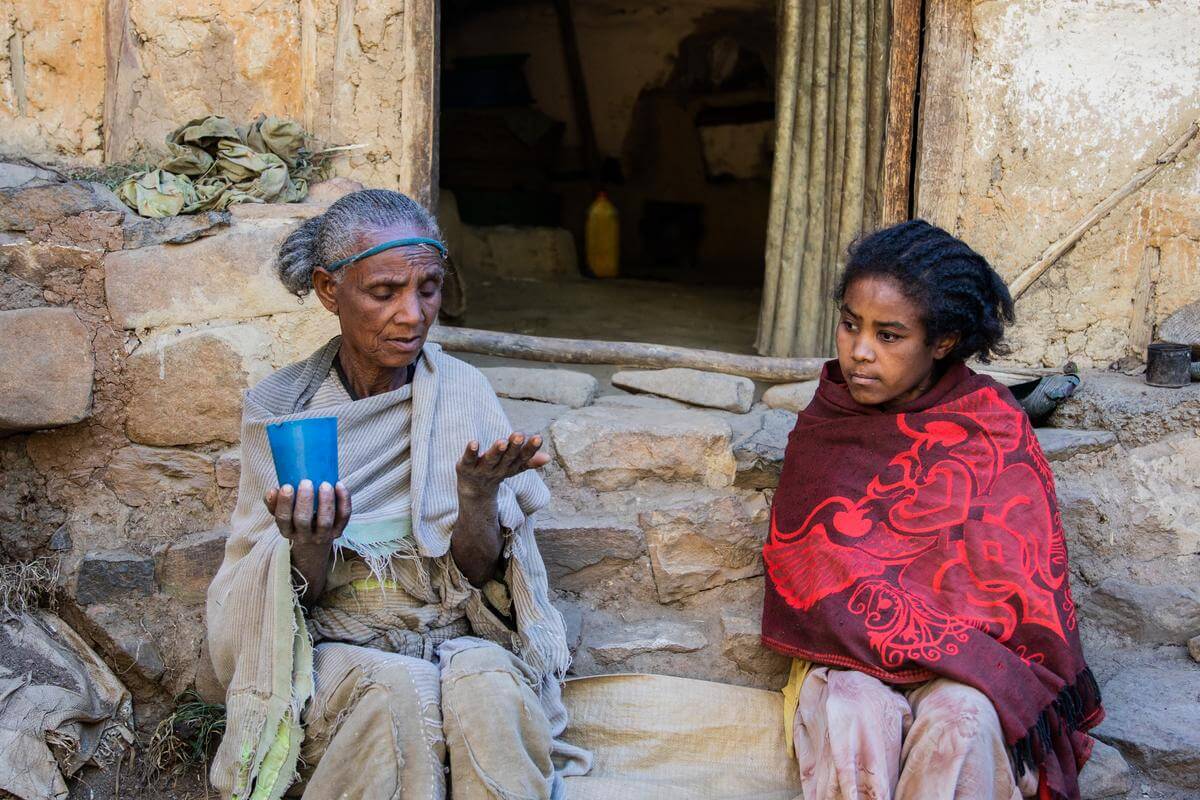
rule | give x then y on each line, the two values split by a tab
667	109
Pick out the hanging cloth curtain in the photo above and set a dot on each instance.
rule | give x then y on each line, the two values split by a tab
828	174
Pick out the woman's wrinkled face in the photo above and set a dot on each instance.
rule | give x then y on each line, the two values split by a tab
881	344
386	303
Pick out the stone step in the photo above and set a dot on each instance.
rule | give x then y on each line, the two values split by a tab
1124	405
1105	775
692	386
607	450
1151	716
558	386
621	641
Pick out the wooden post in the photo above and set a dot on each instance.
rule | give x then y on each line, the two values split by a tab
120	71
942	124
579	95
903	62
420	101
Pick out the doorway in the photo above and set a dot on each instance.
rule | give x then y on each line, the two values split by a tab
671	110
680	102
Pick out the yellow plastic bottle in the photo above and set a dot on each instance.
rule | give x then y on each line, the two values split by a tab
602	238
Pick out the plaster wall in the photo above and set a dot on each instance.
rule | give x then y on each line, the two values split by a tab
1065	103
51	78
79	86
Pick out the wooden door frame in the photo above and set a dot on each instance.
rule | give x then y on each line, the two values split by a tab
939	151
420	101
904	70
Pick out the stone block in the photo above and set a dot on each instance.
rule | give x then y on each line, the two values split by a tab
759	441
187	389
179	229
114	575
572	614
229	468
25	208
140	475
1136	504
533	418
702	547
641	401
230	275
46	369
558	386
55	267
21	176
184	568
620	642
1138	414
1105	775
570	544
612	449
520	252
1160	614
793	397
299	333
692	386
127	647
1059	444
743	645
1150	714
1193	646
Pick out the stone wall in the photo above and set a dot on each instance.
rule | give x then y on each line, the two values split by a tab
1063	103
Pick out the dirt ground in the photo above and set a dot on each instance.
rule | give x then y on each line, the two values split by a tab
705	316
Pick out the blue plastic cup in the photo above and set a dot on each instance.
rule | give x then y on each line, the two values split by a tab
305	448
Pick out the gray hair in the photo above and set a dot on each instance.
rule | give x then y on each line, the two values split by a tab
337	233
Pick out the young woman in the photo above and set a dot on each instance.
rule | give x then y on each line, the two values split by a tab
916	564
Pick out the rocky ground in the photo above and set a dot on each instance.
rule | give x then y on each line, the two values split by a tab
126	345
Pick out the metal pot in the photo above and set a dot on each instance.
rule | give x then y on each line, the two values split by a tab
1168	365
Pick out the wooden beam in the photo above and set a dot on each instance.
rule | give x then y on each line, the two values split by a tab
903	60
578	84
942	124
420	101
631	354
121	69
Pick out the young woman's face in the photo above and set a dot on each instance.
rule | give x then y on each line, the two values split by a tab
881	344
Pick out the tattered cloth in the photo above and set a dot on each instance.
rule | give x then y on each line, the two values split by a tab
214	164
926	542
257	632
61	708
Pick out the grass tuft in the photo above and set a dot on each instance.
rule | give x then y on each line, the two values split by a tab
187	736
27	584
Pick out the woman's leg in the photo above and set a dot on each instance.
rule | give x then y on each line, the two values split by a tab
374	727
955	749
496	730
848	731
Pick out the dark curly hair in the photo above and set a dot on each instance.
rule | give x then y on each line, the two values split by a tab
956	288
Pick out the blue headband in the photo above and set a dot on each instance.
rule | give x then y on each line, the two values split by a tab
379	248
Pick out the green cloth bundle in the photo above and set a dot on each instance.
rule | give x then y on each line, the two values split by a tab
213	164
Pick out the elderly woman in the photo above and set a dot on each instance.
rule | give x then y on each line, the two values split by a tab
367	630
